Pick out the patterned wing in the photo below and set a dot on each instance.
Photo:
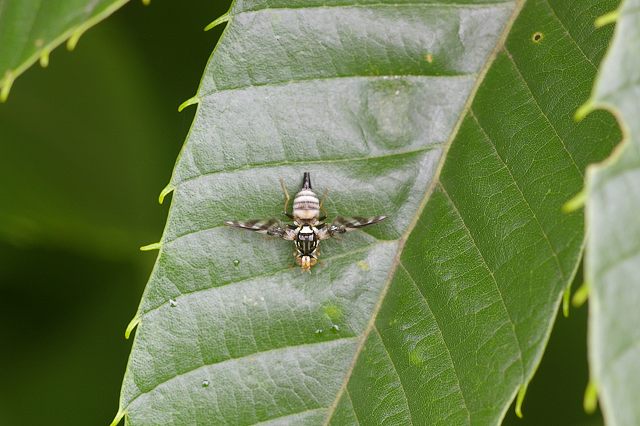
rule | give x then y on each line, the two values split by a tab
345	224
269	227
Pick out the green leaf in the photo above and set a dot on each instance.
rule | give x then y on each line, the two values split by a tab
439	314
31	29
78	171
613	255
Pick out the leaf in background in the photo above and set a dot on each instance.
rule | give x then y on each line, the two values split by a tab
613	217
83	146
437	315
31	29
87	142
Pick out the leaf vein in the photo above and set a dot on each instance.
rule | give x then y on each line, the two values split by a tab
288	416
542	112
517	186
444	341
393	364
251	166
355	414
442	75
566	30
265	275
247	357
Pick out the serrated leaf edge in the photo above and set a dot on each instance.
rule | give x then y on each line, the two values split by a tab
72	36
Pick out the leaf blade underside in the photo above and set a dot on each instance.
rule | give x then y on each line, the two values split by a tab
613	256
367	97
30	30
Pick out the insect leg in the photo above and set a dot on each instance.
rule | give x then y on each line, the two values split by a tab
286	199
324	197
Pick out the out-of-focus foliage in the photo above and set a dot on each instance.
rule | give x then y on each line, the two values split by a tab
82	146
31	29
88	143
85	146
613	217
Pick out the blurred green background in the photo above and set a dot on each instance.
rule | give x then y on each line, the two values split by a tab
86	145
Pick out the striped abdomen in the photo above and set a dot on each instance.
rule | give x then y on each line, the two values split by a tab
306	205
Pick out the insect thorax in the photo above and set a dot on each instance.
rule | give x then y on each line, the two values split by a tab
306	240
306	205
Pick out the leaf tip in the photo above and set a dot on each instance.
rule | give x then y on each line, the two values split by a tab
150	247
131	326
522	392
166	191
5	86
581	295
607	18
117	418
590	402
188	102
221	20
576	202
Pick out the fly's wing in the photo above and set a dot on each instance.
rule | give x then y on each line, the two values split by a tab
345	224
269	227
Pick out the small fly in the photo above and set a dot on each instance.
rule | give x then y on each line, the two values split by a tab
308	227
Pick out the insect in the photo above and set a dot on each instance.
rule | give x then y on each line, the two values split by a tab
308	227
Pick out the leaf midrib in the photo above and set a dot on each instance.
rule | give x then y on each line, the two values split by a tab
361	339
500	44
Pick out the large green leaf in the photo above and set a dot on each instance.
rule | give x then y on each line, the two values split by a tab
439	314
613	256
31	29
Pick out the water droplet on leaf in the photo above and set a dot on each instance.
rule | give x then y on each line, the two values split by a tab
173	303
205	383
236	262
